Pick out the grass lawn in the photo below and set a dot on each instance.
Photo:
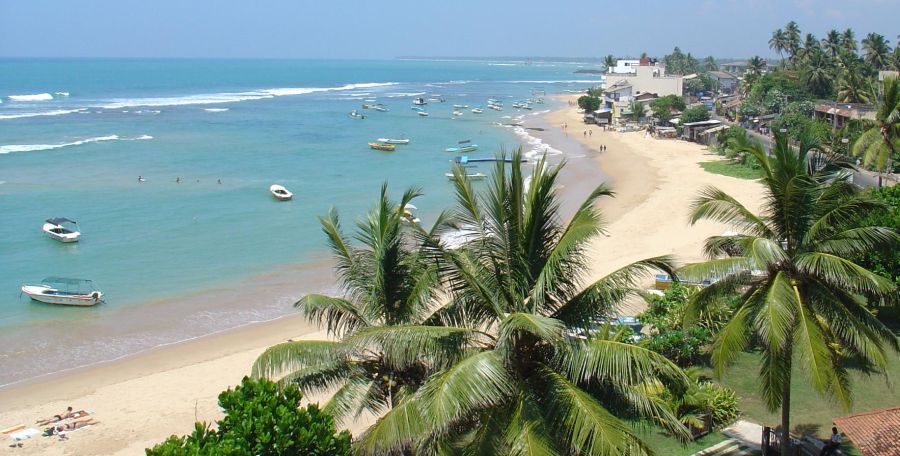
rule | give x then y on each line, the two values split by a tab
809	411
662	444
732	169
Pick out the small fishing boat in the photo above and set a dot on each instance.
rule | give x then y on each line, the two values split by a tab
354	114
382	146
416	108
462	149
62	229
494	101
409	214
495	107
366	106
460	106
457	113
436	99
526	106
419	101
380	107
474	176
422	113
393	141
477	111
280	193
63	291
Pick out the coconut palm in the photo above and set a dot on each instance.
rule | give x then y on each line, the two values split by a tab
637	110
802	300
880	142
388	280
609	62
779	44
709	64
878	51
792	39
854	87
832	43
531	376
817	73
810	48
848	41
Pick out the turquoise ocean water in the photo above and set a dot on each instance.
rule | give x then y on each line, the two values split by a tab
180	260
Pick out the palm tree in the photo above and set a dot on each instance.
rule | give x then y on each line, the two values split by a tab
880	141
803	300
792	39
531	376
817	73
637	110
878	51
832	43
810	48
779	44
389	280
609	62
848	41
854	87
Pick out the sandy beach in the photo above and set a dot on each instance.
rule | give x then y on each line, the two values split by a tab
141	400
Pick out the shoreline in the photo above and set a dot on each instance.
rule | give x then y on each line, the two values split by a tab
143	398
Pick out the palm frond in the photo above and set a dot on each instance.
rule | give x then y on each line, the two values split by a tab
514	325
843	273
339	315
608	359
406	345
291	356
398	429
731	340
714	204
584	424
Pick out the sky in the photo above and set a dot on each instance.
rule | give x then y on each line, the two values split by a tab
394	28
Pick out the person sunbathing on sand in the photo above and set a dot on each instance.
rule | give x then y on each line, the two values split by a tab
57	418
71	426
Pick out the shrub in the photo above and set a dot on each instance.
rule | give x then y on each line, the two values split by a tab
588	103
261	420
683	347
722	403
695	114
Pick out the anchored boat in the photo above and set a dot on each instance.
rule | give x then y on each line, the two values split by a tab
382	146
63	291
62	229
280	193
475	176
464	146
393	141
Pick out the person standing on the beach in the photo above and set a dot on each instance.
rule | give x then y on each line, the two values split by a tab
584	133
590	132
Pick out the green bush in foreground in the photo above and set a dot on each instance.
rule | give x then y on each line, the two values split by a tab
261	420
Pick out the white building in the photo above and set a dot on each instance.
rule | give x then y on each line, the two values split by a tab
624	66
647	78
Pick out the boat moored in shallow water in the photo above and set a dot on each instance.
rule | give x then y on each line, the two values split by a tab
280	193
64	291
354	114
62	229
382	146
474	176
393	141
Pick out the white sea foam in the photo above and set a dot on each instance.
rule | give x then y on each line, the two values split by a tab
33	97
214	98
535	147
566	81
61	94
404	94
57	112
503	64
35	147
216	109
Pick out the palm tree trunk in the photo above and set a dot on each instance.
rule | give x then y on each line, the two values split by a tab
786	404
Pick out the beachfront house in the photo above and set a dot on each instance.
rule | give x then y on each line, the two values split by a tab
647	78
624	66
693	130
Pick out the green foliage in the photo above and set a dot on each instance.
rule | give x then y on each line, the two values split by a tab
733	168
885	262
702	83
695	114
722	402
662	107
679	63
261	420
588	103
750	109
797	118
774	101
683	347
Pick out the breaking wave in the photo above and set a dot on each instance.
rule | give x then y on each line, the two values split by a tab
35	147
34	97
57	112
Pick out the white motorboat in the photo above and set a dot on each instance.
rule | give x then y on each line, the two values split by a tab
63	291
380	107
354	114
393	141
495	107
280	193
62	229
422	113
477	110
419	101
457	113
460	106
462	149
474	176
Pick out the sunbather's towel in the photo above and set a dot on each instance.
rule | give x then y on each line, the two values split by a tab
25	434
61	433
12	429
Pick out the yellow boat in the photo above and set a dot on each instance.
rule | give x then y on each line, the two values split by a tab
382	146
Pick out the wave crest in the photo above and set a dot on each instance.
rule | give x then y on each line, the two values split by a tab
36	147
33	97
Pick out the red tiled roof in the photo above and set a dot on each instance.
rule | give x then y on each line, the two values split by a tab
875	433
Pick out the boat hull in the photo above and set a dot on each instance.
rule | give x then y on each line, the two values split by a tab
280	193
60	234
51	296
